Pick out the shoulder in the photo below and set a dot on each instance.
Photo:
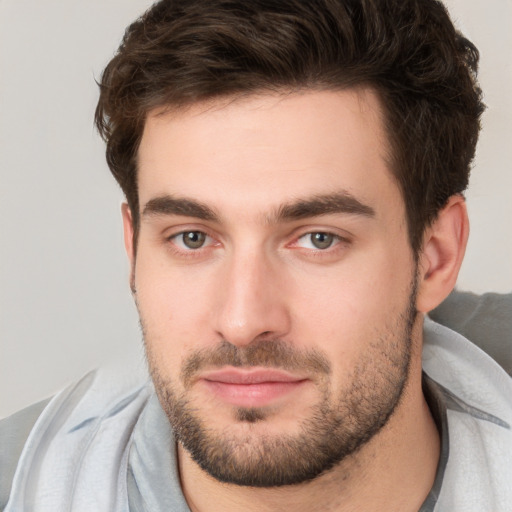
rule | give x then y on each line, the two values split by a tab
52	434
14	431
466	371
477	395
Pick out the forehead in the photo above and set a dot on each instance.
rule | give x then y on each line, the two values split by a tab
260	151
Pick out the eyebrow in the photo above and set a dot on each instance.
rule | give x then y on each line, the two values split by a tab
340	202
168	205
318	205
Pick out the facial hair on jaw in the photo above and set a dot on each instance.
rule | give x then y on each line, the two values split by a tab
339	423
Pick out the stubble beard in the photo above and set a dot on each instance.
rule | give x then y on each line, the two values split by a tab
337	427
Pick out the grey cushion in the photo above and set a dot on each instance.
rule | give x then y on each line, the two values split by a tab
485	319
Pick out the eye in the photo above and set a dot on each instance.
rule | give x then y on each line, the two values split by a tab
191	240
317	240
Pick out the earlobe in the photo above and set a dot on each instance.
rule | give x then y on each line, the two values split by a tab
442	253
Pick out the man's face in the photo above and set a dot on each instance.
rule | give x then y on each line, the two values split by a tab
274	280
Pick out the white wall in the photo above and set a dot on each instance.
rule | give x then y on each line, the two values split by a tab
65	306
488	262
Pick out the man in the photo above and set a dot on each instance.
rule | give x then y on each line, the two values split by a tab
294	175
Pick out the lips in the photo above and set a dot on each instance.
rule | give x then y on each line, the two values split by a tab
251	388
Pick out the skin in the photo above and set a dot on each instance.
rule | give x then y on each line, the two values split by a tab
259	277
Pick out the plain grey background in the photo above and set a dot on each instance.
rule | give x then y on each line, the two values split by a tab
65	305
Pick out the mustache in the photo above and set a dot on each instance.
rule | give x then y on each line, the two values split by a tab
264	353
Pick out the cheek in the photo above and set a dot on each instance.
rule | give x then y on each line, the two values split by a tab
346	310
173	308
168	290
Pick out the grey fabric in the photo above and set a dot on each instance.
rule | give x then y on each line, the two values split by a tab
153	476
486	320
478	396
436	403
76	455
14	431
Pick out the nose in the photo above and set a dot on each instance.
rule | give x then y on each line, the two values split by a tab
252	301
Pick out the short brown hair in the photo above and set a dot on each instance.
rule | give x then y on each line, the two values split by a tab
184	51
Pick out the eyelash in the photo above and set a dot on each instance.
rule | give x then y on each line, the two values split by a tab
331	253
336	239
188	253
339	243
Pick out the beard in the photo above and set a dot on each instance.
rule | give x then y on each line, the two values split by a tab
337	426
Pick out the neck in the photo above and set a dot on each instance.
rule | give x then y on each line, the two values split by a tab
402	456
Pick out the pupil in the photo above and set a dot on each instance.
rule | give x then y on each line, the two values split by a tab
193	239
322	240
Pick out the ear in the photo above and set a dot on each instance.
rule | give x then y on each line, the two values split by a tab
128	239
444	245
